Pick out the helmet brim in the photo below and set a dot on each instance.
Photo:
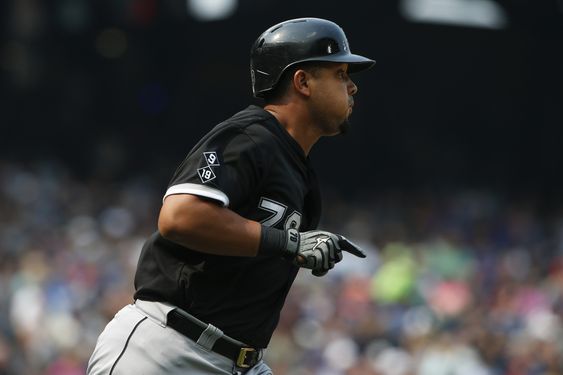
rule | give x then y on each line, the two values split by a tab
363	63
356	63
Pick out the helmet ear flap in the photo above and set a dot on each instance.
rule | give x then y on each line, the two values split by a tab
296	41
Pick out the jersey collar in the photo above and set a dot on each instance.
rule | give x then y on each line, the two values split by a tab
274	125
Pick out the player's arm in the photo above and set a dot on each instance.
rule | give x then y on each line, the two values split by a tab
204	225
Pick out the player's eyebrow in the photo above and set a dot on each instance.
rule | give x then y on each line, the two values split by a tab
343	68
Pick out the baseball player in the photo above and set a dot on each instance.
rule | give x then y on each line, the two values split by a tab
239	218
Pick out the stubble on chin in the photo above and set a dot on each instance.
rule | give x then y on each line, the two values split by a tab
344	127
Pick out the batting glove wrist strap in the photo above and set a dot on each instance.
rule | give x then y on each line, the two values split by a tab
277	241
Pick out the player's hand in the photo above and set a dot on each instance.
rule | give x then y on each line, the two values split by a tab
319	250
316	250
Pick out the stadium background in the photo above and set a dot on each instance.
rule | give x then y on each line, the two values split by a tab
451	177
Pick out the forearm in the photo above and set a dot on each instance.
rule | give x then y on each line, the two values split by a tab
207	227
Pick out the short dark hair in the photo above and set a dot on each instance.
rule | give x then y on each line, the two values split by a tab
283	84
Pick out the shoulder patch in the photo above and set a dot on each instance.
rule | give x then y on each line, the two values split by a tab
206	173
211	158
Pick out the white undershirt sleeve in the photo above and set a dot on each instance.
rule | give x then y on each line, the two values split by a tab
200	190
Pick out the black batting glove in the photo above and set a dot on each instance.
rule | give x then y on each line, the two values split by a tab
316	250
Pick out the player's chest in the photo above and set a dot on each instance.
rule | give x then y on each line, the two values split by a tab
282	198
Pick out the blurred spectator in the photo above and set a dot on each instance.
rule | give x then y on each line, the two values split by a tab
465	283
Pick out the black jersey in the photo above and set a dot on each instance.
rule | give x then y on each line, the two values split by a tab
250	164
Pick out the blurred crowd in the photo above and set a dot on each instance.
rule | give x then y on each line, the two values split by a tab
465	282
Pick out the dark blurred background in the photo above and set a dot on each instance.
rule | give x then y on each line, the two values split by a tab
114	87
451	177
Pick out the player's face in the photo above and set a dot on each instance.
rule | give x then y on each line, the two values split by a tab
332	93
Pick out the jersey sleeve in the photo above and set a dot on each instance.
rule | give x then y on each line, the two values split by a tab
225	168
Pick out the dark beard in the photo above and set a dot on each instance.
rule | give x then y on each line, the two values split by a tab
344	127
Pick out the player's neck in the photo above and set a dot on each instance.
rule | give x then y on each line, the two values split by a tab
298	126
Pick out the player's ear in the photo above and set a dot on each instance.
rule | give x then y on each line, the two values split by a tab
301	82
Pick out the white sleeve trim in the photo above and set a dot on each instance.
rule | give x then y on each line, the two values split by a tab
196	189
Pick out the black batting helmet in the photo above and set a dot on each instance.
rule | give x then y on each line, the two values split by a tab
295	41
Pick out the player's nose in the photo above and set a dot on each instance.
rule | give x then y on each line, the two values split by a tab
352	88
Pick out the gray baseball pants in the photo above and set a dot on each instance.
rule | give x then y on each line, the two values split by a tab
137	341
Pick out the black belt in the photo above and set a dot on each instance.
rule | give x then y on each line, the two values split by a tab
186	324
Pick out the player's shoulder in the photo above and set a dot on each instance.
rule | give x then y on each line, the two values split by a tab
253	121
245	130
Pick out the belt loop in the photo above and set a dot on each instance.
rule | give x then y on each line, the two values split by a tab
209	336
